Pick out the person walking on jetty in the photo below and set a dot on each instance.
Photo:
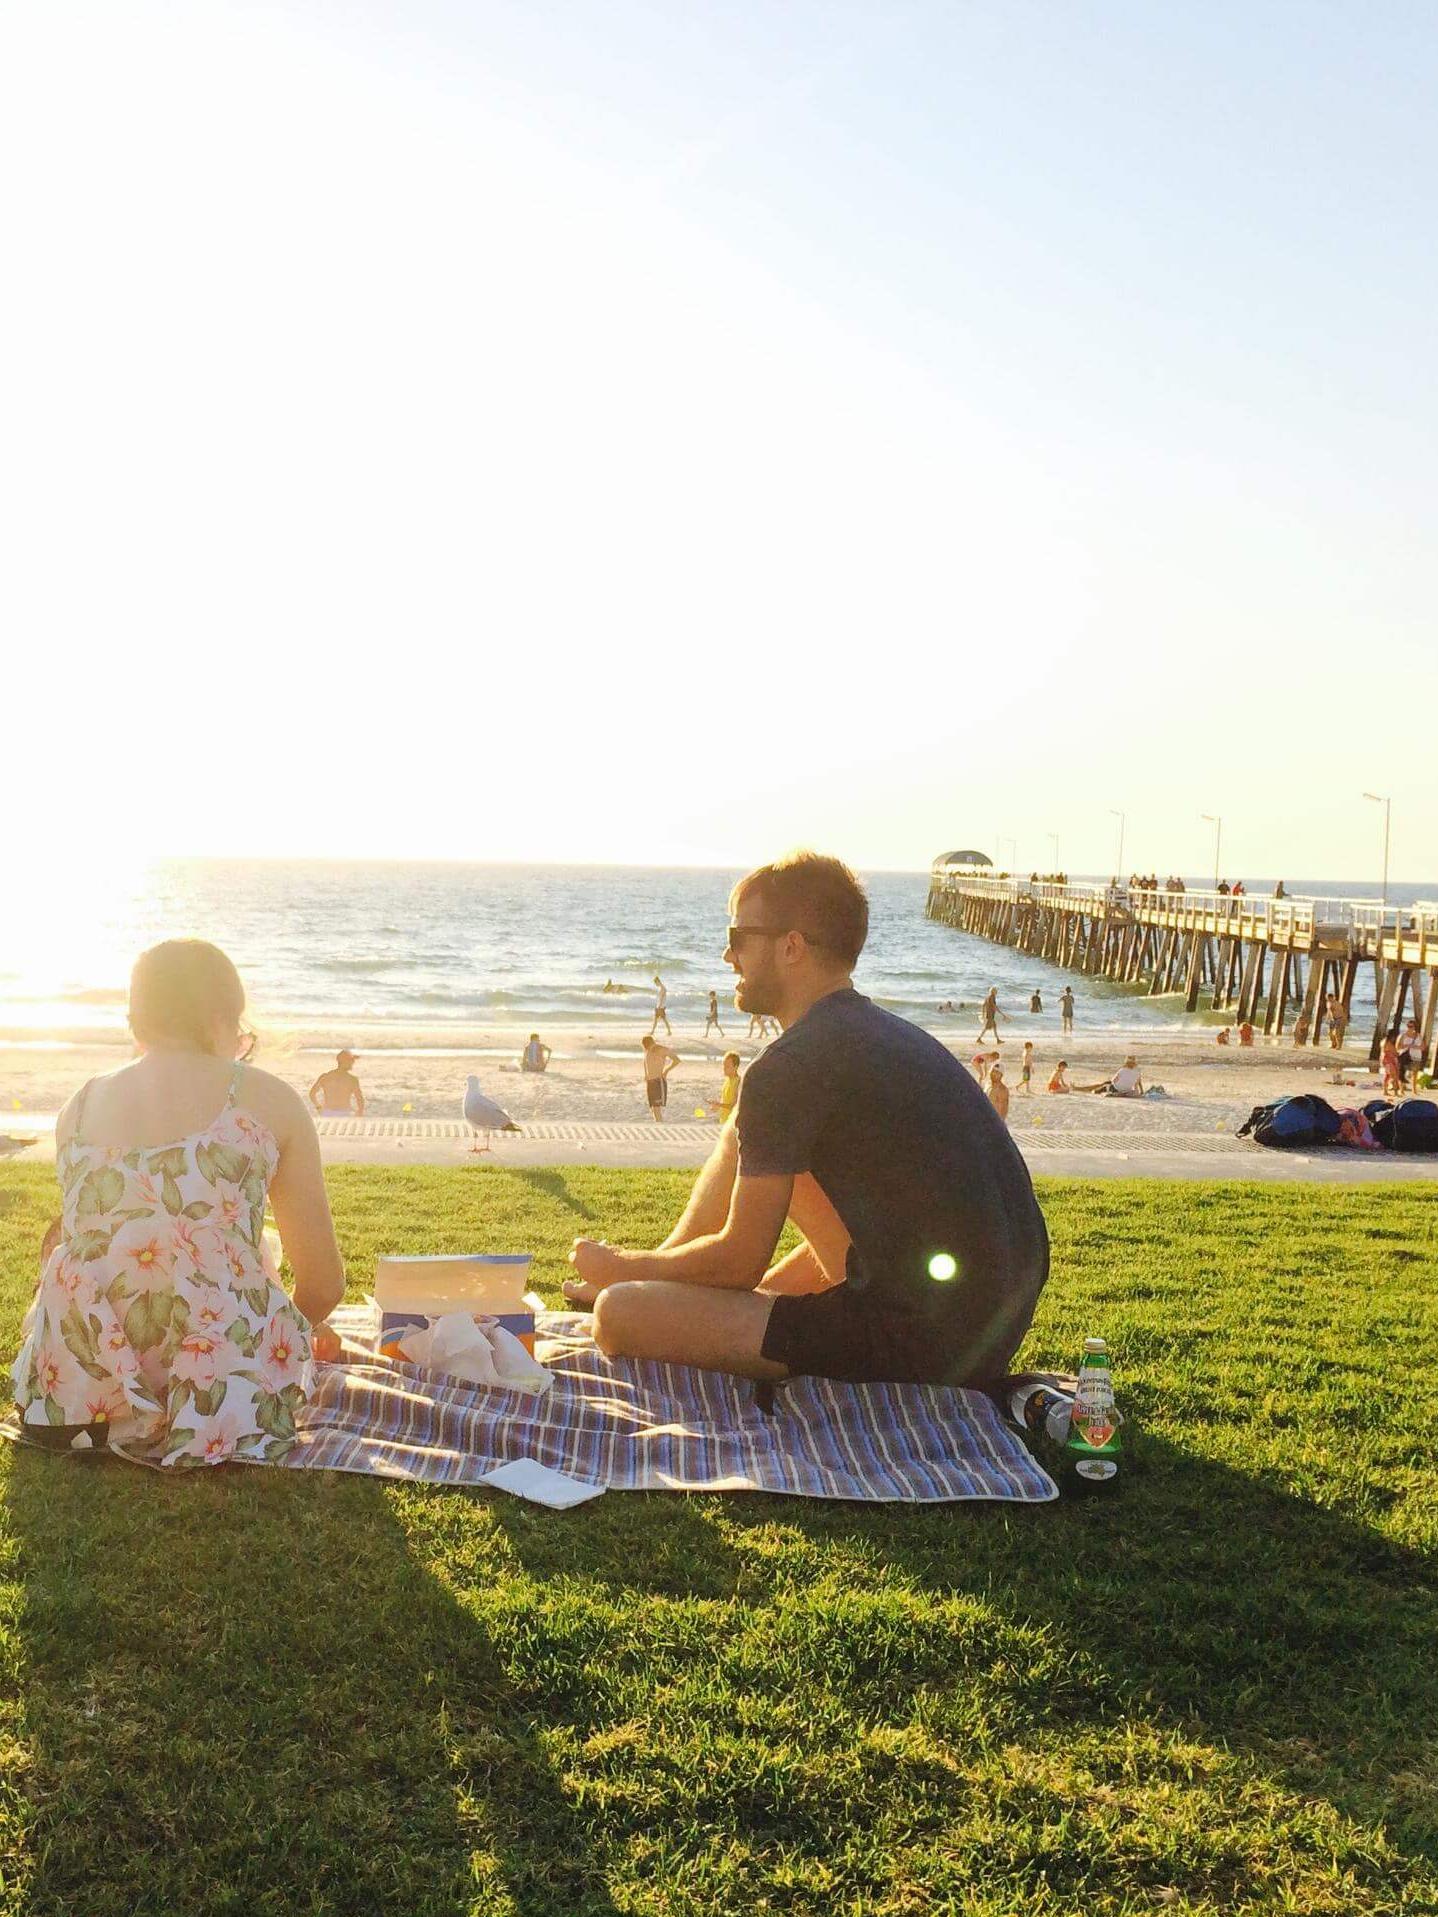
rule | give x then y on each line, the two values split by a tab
661	1001
923	1248
659	1062
711	1023
159	1329
1066	1007
338	1090
990	1015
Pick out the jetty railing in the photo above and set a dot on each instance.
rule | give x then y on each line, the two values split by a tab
1259	956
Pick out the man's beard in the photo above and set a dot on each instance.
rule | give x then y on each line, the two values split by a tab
756	996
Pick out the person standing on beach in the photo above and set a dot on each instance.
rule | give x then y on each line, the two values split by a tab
990	1015
659	1062
923	1248
1410	1053
727	1102
661	1000
339	1090
999	1093
1026	1069
1337	1021
711	1023
1066	1006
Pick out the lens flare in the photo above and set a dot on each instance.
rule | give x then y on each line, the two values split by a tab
943	1267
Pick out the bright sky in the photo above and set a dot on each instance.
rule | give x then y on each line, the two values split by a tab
673	432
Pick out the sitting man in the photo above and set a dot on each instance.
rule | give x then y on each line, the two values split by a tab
535	1056
923	1248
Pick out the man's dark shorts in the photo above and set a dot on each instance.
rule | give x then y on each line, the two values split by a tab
843	1333
656	1090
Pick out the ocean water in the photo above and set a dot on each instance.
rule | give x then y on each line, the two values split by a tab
443	949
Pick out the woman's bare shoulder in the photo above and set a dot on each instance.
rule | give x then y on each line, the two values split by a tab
68	1117
279	1104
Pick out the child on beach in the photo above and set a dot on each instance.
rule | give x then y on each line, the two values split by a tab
998	1091
981	1063
1026	1069
729	1091
1059	1081
1392	1070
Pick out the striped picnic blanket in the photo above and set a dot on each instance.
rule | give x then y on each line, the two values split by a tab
638	1426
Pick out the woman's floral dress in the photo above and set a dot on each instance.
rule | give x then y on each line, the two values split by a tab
159	1326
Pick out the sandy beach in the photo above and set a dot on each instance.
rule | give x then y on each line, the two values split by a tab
591	1105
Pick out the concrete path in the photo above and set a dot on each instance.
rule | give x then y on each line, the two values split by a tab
1089	1139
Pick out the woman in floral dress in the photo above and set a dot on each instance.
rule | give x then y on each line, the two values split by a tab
159	1326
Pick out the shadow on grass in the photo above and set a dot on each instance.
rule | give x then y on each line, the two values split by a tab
551	1184
198	1739
1211	1603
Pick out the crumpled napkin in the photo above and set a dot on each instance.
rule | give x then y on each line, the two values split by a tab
476	1350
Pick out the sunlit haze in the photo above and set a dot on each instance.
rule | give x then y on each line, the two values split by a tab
665	435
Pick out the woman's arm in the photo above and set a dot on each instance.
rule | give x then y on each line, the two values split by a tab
302	1212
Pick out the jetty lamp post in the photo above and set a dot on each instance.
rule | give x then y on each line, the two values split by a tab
1387	805
1054	837
1217	824
1122	818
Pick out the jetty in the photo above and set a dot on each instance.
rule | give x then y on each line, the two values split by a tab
1278	963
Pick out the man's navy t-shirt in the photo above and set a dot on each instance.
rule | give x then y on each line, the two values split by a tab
913	1158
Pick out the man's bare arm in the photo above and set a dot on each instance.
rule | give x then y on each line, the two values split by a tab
734	1259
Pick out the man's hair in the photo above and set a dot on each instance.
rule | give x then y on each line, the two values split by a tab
820	897
647	1040
179	988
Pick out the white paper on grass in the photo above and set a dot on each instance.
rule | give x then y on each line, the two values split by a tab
462	1346
527	1478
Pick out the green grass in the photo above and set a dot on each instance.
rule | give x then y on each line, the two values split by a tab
254	1691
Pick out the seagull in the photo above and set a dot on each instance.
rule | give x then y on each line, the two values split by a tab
10	1145
481	1114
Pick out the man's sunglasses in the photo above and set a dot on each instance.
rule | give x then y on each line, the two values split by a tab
737	932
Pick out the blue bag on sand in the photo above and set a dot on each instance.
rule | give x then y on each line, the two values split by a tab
1304	1119
1409	1127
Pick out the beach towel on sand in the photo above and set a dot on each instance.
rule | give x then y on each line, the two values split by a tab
637	1426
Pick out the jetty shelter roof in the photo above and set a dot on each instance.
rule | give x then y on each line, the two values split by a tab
946	861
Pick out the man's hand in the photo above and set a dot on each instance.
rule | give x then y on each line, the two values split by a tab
597	1264
325	1343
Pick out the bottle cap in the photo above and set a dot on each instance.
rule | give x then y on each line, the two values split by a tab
1094	1344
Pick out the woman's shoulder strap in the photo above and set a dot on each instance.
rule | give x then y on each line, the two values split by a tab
77	1112
234	1090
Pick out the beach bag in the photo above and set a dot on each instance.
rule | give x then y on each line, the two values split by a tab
1288	1123
1409	1127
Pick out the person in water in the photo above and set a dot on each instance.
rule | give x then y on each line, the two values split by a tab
923	1249
159	1328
